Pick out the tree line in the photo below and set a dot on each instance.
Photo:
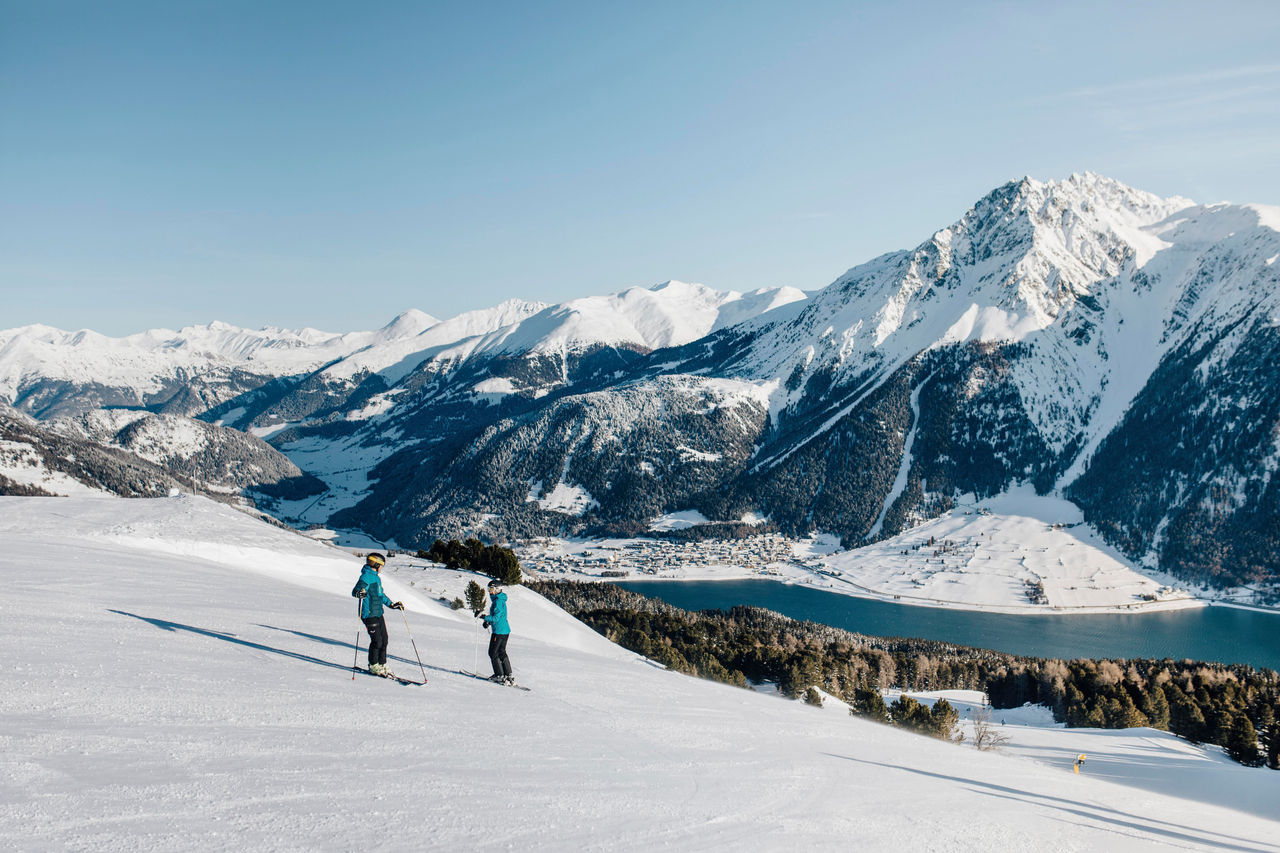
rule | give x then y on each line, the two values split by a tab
492	560
1229	705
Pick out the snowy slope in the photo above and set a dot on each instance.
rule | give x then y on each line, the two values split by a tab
1016	552
180	680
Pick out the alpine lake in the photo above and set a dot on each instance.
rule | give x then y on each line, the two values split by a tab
1214	633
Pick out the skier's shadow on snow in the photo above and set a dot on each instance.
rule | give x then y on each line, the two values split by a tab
343	644
1091	811
230	638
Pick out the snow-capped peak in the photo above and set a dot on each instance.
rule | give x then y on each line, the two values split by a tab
408	323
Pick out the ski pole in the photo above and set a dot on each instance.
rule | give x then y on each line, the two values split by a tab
415	646
356	660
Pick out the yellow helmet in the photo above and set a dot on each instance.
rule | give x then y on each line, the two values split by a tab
375	560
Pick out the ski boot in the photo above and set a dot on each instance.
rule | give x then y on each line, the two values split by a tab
509	680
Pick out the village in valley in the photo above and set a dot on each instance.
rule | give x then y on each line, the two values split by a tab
764	555
974	557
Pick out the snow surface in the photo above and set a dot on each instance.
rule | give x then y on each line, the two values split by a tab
179	679
681	520
23	464
562	497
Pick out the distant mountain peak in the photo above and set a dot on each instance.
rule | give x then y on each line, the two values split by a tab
410	322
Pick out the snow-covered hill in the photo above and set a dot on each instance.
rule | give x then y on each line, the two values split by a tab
180	679
36	460
213	458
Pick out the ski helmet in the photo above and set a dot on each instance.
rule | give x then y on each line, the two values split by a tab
376	560
493	584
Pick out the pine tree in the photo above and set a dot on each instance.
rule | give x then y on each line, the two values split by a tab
945	719
1185	718
813	697
1129	717
1273	748
1096	715
475	596
909	714
1217	724
1263	719
870	704
1242	741
1156	708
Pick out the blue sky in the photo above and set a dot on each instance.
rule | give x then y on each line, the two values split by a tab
330	164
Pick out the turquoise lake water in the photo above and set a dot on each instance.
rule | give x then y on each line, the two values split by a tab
1224	634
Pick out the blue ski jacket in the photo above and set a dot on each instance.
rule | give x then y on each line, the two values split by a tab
497	618
374	599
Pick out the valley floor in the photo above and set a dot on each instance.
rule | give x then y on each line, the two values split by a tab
180	679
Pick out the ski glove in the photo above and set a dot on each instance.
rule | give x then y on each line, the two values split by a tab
399	605
361	593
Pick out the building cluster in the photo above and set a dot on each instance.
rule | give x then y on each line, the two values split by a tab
657	556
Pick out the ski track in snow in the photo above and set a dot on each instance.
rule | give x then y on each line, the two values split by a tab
904	468
200	697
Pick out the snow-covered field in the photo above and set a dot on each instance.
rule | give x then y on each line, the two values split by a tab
993	554
179	678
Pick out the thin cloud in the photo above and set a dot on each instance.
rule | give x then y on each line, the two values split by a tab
1149	85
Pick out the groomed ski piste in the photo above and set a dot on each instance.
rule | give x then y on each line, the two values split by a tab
178	677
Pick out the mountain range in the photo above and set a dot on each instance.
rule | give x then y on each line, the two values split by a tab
1098	342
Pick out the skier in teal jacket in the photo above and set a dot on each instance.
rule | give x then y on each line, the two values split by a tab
497	622
372	599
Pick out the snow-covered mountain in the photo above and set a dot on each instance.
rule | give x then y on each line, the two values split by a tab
1019	344
1093	340
210	457
37	460
48	372
199	696
134	453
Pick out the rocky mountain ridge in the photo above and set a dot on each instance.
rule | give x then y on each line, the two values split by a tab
1094	340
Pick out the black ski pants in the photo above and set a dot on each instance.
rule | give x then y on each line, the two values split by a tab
377	628
498	654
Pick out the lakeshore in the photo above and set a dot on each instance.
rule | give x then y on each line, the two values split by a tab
1016	553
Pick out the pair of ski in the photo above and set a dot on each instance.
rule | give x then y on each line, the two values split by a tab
397	679
490	680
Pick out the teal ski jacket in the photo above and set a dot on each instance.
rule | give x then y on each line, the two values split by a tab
374	599
497	618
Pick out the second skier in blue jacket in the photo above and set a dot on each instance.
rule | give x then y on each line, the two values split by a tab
496	620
